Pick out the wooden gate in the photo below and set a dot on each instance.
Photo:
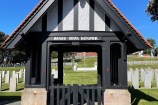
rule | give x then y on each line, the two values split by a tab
75	95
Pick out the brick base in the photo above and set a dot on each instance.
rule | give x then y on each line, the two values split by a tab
34	96
117	97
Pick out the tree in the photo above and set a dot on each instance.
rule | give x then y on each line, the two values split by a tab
2	51
11	56
153	44
152	9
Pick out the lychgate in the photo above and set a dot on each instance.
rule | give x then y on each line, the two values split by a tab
71	26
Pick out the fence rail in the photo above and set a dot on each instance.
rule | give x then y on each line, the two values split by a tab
76	95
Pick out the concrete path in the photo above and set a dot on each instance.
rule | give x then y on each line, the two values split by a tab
10	103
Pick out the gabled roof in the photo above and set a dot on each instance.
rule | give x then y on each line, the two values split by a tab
20	29
126	20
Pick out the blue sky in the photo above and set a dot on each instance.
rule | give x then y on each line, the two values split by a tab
12	12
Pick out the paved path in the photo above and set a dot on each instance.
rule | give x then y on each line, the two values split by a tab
10	103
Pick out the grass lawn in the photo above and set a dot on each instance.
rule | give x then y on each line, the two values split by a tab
72	77
153	66
10	96
11	68
144	96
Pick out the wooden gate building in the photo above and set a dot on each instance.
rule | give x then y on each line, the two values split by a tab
76	25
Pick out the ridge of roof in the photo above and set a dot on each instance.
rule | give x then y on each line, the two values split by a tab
127	21
42	2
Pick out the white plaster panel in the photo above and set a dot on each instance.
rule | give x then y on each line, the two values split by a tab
68	15
37	27
83	20
114	27
52	18
99	19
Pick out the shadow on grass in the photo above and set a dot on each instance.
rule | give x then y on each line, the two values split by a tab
9	99
137	95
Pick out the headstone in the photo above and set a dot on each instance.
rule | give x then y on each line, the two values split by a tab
142	75
148	79
17	77
95	65
0	81
24	75
135	79
3	74
75	67
7	77
156	78
20	74
55	73
13	73
13	84
152	74
129	76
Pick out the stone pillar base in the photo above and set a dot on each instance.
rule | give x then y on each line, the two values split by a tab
117	97
34	96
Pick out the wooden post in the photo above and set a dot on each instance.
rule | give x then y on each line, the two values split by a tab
106	64
123	72
44	64
60	67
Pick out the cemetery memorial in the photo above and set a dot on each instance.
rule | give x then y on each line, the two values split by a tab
76	26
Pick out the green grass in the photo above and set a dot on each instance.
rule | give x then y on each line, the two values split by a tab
10	96
89	62
153	66
144	96
141	59
11	68
72	77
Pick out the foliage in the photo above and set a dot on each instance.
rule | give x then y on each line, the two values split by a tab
11	56
152	9
153	44
2	37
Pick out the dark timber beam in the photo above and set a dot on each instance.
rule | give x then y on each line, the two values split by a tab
76	14
60	67
123	72
106	64
28	73
44	64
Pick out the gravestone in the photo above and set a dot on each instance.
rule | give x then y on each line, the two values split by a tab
152	74
24	75
13	84
3	74
95	65
156	73
0	81
55	73
17	77
7	77
148	79
135	79
142	75
20	74
13	73
129	76
75	67
156	78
